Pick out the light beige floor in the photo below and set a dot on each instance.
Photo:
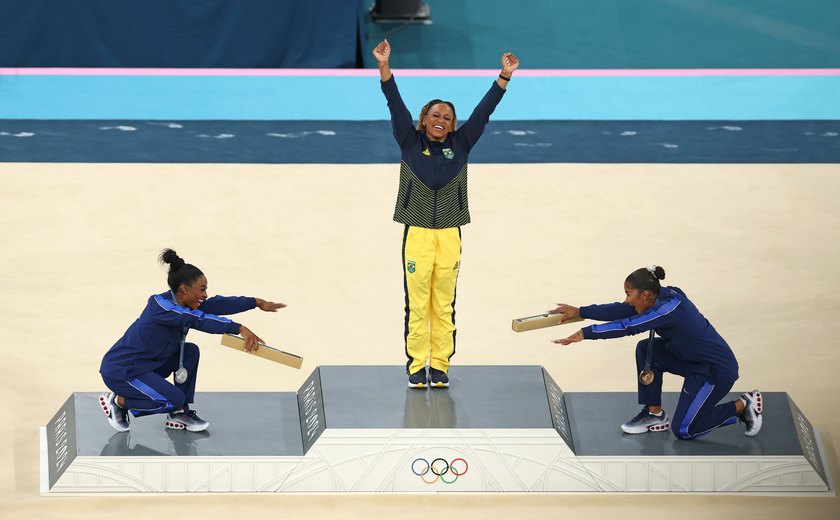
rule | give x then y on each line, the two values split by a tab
756	247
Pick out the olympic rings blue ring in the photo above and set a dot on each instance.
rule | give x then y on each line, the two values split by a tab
428	466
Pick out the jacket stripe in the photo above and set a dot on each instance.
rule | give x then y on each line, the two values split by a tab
170	306
639	320
154	395
694	409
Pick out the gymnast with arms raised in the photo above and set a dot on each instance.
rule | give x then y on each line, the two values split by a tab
432	205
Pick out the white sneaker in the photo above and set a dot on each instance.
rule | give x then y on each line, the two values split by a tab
185	419
646	422
117	417
753	406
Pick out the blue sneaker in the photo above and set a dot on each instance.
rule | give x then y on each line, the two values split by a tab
753	406
117	417
418	379
646	422
439	378
185	419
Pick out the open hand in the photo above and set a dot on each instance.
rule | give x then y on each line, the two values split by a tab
574	338
269	306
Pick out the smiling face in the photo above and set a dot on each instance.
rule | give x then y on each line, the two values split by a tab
194	294
640	300
438	122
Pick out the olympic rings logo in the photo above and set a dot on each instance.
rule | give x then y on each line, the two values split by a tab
439	468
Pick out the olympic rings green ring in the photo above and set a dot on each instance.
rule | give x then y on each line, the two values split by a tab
449	481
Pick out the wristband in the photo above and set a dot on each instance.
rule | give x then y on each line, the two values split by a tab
504	78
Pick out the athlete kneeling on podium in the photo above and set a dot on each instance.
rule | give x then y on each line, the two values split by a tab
688	346
136	367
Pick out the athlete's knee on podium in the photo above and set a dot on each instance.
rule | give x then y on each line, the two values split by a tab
682	435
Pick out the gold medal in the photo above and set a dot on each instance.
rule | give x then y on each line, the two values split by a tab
646	377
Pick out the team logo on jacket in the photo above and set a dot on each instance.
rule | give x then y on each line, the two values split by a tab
448	153
411	267
426	151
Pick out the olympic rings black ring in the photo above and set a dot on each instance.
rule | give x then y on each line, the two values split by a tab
439	472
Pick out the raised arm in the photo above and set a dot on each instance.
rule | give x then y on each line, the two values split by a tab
474	127
401	121
382	53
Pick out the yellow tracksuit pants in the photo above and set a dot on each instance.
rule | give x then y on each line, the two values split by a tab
431	261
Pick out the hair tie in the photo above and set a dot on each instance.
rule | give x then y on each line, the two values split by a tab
652	270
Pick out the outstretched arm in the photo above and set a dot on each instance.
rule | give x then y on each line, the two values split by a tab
382	53
509	64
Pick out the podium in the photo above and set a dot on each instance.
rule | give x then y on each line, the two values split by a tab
497	429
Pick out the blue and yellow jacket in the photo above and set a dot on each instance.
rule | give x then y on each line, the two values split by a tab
155	337
433	175
689	335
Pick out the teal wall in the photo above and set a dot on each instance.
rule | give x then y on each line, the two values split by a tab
609	34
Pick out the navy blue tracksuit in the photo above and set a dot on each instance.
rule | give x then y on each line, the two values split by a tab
137	366
688	346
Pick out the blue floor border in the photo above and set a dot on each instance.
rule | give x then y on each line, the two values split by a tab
364	142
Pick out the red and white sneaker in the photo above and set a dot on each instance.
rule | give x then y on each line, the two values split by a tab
185	420
753	406
117	417
647	422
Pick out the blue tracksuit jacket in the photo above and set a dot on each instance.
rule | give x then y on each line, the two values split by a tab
689	335
155	337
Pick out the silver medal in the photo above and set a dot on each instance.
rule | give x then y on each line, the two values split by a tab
181	375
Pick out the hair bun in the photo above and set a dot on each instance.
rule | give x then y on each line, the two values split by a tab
169	256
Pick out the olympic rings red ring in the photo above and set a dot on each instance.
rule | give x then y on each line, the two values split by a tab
452	466
439	472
